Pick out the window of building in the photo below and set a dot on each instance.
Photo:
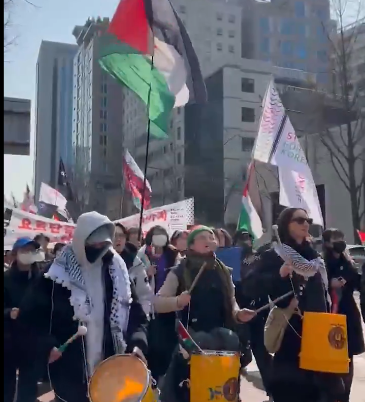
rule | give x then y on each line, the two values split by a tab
247	144
248	115
301	51
171	146
322	55
265	45
231	34
103	114
178	135
165	149
182	9
103	127
219	47
231	48
321	13
300	9
287	27
232	18
179	158
104	102
219	16
179	183
265	25
219	32
287	48
248	85
321	34
301	30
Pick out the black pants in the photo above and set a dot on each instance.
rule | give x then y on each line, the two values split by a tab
28	377
262	356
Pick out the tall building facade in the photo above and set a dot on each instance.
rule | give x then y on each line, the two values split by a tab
53	120
97	130
289	33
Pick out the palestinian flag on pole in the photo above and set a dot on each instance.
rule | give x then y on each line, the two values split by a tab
251	212
134	180
148	50
186	341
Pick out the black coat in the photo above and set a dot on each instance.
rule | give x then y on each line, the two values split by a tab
16	285
341	267
362	292
265	280
46	311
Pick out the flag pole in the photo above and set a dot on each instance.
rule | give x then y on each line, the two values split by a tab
146	158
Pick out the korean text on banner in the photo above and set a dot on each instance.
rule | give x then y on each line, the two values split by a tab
172	217
18	223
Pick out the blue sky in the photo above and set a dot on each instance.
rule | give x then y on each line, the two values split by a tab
51	20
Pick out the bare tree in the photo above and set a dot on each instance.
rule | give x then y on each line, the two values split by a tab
9	38
345	143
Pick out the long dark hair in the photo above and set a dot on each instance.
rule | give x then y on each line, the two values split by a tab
283	222
148	238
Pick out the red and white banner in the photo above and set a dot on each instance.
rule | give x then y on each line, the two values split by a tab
18	223
172	217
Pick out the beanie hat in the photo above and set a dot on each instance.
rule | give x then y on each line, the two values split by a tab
194	232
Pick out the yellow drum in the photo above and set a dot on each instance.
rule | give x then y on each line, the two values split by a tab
324	343
121	378
214	376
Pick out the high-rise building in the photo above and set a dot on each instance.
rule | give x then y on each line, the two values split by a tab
53	120
97	131
289	33
214	27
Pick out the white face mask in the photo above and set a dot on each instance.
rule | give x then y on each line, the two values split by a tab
159	240
26	258
31	257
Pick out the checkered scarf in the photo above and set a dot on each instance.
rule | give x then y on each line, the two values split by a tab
74	280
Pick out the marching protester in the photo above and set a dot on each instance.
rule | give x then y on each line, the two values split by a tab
210	311
136	269
179	241
132	237
257	324
57	249
87	284
19	354
274	277
8	259
224	239
159	256
44	242
344	280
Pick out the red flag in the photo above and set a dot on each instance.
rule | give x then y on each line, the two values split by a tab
361	236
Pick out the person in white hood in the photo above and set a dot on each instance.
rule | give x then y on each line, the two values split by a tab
87	284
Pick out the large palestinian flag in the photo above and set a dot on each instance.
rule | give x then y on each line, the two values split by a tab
149	51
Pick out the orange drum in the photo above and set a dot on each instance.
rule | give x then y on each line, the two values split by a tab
121	378
214	376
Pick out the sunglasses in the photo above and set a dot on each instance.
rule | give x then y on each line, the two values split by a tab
300	220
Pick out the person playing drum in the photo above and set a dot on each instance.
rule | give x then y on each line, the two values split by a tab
89	284
209	310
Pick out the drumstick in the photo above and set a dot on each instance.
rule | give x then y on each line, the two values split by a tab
81	331
268	305
197	277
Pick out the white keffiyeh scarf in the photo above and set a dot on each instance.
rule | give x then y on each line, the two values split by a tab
66	271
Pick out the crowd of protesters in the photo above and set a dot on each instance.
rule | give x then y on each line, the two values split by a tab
161	269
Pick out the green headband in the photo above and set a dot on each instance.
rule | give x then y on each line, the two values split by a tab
196	231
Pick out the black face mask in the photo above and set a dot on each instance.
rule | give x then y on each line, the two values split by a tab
92	253
339	246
